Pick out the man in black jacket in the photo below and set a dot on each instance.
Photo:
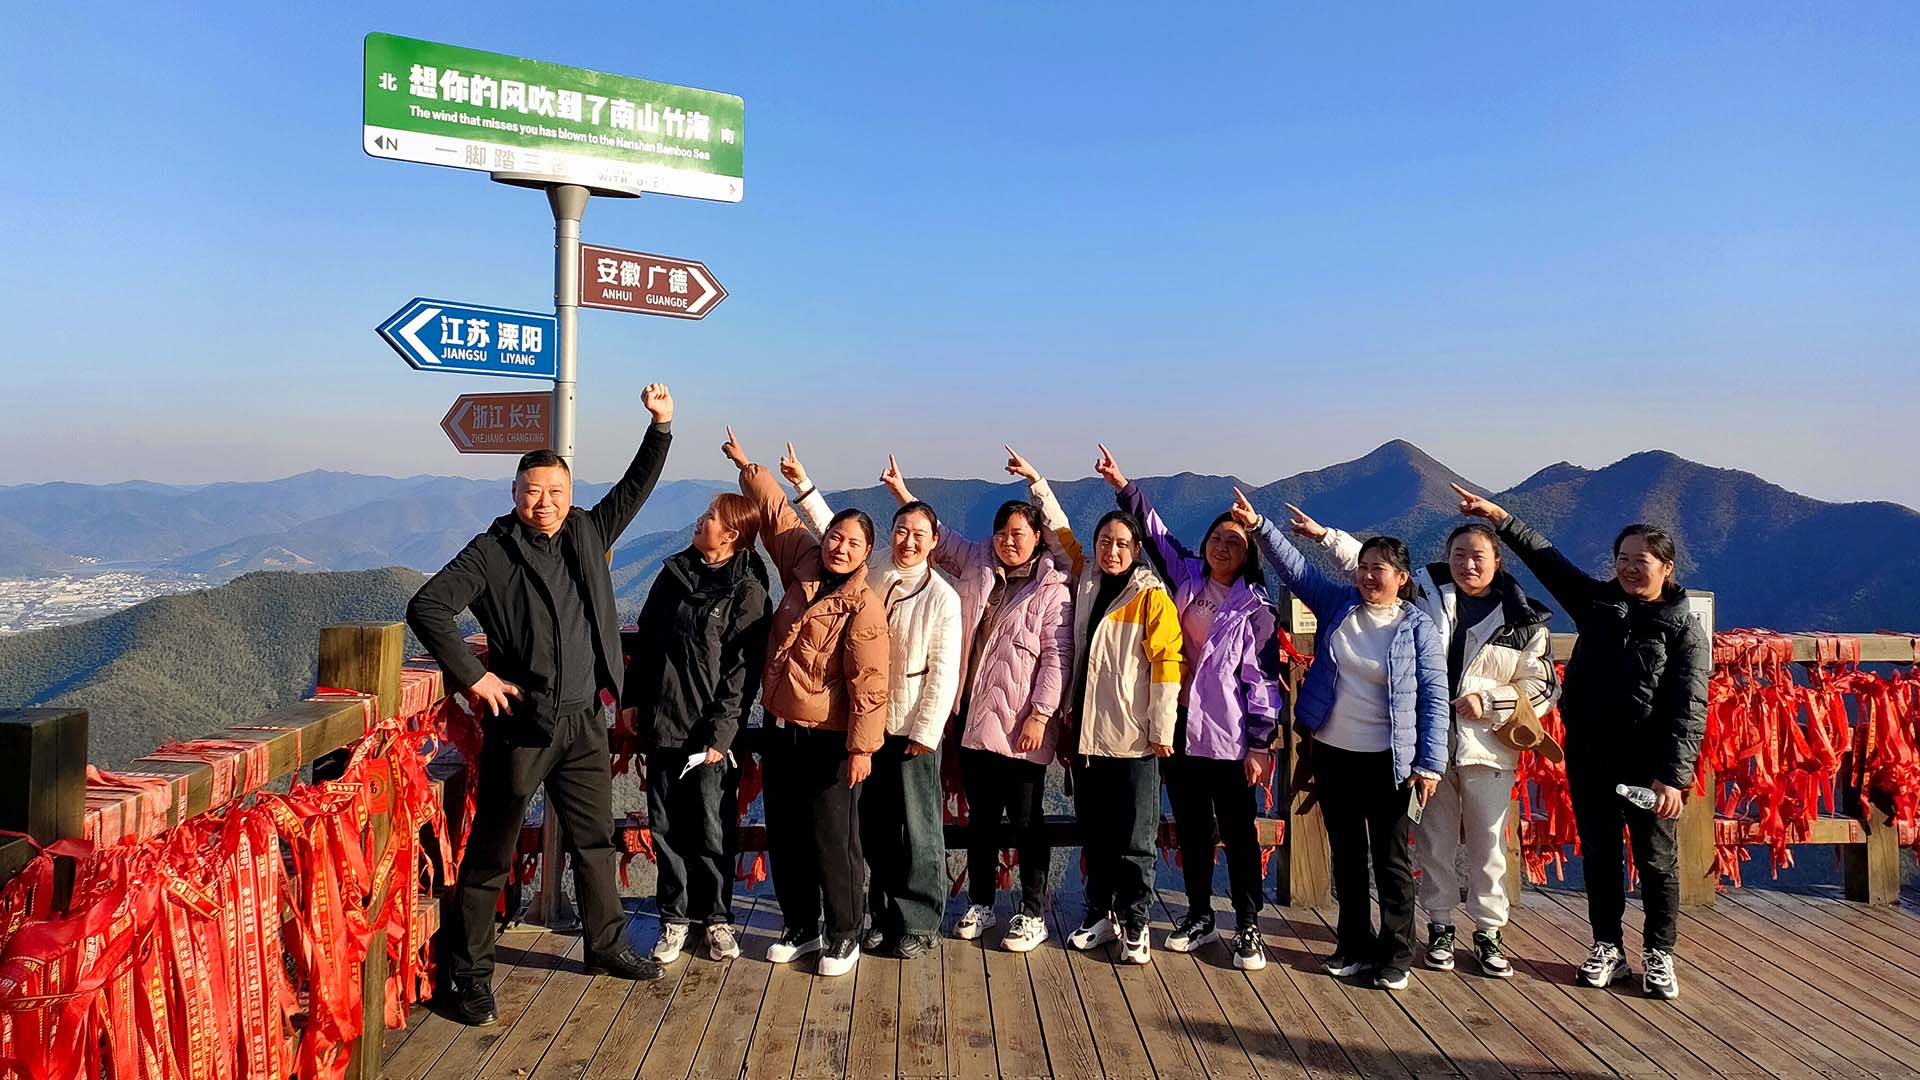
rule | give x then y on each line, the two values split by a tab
537	581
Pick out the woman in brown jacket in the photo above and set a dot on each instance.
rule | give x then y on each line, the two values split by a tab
825	699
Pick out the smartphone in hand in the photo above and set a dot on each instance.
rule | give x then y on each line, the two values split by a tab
1415	808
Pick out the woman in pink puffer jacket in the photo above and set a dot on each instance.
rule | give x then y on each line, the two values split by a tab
1016	613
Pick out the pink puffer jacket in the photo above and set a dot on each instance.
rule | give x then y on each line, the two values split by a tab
1028	653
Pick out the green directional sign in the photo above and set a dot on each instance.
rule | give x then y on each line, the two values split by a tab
445	105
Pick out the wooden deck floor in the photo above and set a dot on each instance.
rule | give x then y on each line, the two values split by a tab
1774	985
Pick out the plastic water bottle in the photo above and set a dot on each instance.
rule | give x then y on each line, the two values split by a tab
1644	798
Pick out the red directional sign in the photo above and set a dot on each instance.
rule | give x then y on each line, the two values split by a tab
648	284
499	423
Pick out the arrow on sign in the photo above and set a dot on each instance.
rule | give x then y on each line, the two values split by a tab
451	424
410	333
498	423
439	335
647	284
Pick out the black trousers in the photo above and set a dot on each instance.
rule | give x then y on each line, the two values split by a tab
1000	786
813	830
1599	814
575	769
1366	816
1204	792
1117	801
695	830
904	835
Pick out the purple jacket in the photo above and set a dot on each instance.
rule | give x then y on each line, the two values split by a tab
1024	666
1234	702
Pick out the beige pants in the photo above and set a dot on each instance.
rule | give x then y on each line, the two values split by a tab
1465	829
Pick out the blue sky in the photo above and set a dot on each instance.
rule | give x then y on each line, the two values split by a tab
1252	239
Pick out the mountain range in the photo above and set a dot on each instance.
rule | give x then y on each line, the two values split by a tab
1774	558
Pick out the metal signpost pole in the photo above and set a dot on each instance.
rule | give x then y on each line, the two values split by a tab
569	202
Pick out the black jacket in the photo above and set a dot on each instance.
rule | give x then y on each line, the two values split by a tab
701	642
1637	681
492	576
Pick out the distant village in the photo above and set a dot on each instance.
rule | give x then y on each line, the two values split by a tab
36	603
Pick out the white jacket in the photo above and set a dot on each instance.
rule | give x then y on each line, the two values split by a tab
924	641
1505	655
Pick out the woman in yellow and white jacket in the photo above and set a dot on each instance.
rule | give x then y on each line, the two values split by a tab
1125	695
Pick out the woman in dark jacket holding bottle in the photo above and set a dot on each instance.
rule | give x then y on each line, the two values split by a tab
1635	705
689	685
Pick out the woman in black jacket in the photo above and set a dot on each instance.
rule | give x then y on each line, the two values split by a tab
1635	705
693	675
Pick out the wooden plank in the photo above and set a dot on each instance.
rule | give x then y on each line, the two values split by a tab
1209	1029
528	1043
922	1051
873	1045
1421	1027
1870	960
1324	995
1068	1038
776	1030
688	1015
1716	1007
1598	1022
723	1049
1292	1042
635	1027
1892	922
969	1018
1115	1036
1669	1037
1727	953
1905	960
1019	1046
467	1054
1821	965
365	657
427	1040
1491	1007
827	1027
585	1030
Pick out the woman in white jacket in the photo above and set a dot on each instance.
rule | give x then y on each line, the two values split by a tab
901	827
1497	654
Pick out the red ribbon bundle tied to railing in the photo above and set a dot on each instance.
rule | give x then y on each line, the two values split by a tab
171	961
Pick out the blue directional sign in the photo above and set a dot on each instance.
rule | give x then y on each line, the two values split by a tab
439	335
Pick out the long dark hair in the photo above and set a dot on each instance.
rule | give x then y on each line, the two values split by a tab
1394	550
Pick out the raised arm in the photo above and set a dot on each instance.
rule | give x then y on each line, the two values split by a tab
1319	592
1056	534
1570	585
616	509
814	511
1180	563
787	541
1343	547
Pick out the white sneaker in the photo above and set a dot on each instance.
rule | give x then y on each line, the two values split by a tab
1605	965
673	938
793	945
721	942
1133	947
838	959
1659	978
1090	934
978	920
1191	932
1024	933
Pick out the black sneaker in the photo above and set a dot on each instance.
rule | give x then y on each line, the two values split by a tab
1440	942
1249	949
1392	978
471	1003
1605	965
913	946
1340	965
838	957
1191	932
873	939
624	964
795	943
1493	961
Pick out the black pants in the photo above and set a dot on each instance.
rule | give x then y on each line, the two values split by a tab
1204	791
694	820
575	769
1599	814
813	830
998	785
1366	815
904	835
1118	803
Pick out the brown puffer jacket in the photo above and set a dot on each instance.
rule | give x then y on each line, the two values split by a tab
826	660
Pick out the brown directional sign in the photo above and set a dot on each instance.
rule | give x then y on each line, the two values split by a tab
499	423
647	284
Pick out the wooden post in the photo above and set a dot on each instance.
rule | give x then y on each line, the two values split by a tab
367	657
1516	866
43	786
1699	880
1870	870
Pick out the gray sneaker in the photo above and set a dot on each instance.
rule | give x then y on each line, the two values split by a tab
721	942
673	938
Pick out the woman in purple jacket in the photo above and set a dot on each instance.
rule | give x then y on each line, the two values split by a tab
1016	618
1229	714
